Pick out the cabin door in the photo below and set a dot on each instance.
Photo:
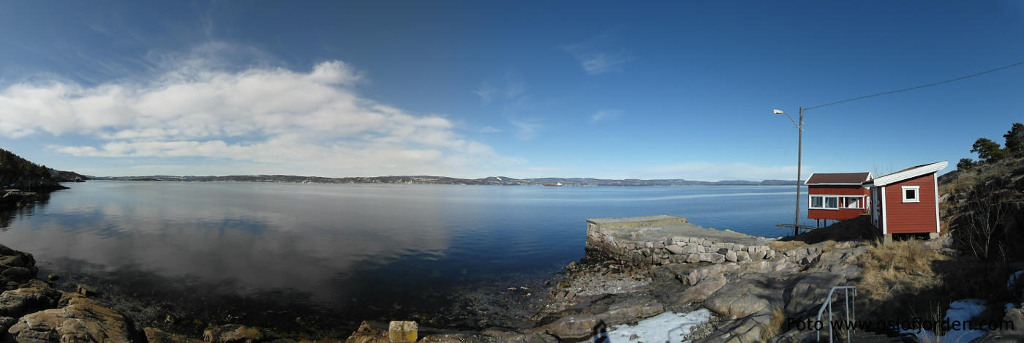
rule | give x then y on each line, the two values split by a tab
876	207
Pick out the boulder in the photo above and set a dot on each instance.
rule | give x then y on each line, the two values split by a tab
234	333
403	331
631	309
702	290
760	254
747	295
1013	333
731	256
369	332
711	257
809	293
572	328
16	302
18	274
16	267
744	330
742	256
675	249
82	320
841	261
709	271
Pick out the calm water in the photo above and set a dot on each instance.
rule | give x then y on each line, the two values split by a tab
354	247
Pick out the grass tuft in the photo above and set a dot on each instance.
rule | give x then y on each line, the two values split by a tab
786	245
774	326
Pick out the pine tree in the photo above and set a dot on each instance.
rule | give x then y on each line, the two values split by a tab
988	151
1015	140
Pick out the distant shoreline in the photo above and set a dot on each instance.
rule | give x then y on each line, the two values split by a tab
435	180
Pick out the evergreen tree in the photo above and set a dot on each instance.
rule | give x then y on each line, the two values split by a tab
988	151
1015	140
965	163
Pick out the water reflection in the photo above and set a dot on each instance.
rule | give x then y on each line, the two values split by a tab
364	251
256	236
7	216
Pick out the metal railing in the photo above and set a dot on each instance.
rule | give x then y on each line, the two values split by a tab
849	307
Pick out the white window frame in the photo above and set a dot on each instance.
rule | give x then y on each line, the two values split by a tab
839	205
846	203
810	202
917	193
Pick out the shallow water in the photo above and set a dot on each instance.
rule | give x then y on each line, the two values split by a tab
360	249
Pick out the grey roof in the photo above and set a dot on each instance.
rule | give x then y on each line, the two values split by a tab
838	178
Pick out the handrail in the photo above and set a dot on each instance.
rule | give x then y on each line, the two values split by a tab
828	304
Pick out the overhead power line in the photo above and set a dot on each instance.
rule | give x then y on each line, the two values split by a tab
917	87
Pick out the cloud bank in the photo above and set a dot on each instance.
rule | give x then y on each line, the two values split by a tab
297	122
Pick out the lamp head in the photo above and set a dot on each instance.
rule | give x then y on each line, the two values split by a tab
778	111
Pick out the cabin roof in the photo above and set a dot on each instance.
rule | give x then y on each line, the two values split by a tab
838	179
908	173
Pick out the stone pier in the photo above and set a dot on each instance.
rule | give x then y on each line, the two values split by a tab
664	239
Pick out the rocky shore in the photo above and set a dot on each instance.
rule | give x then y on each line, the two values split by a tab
608	287
634	270
637	268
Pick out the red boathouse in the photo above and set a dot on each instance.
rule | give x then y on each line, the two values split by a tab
907	201
837	196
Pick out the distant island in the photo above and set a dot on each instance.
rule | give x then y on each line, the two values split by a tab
443	180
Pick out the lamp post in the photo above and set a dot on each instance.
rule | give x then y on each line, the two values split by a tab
799	155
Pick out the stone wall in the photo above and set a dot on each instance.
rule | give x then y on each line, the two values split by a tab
677	249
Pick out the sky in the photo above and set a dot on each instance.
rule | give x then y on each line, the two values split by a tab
681	89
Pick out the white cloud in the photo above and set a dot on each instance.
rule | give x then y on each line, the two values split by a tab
312	121
526	129
603	115
485	92
596	55
708	171
595	63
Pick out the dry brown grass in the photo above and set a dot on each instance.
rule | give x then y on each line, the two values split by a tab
786	245
774	326
903	267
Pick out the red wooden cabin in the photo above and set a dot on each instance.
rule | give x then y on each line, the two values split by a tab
907	201
837	196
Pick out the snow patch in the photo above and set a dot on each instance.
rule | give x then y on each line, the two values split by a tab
960	310
665	327
1013	280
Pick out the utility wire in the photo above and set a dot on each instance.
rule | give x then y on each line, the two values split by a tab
917	87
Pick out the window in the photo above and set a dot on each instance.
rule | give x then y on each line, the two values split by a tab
835	202
911	193
831	202
816	201
852	202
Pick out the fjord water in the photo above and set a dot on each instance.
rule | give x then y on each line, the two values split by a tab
357	247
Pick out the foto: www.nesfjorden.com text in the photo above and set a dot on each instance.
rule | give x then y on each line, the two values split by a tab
915	325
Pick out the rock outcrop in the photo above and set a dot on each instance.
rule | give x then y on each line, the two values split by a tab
81	320
664	239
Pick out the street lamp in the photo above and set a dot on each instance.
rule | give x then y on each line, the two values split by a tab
799	154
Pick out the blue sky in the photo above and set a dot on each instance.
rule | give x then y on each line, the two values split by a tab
520	89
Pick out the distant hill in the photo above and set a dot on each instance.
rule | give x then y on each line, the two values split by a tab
19	173
426	179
